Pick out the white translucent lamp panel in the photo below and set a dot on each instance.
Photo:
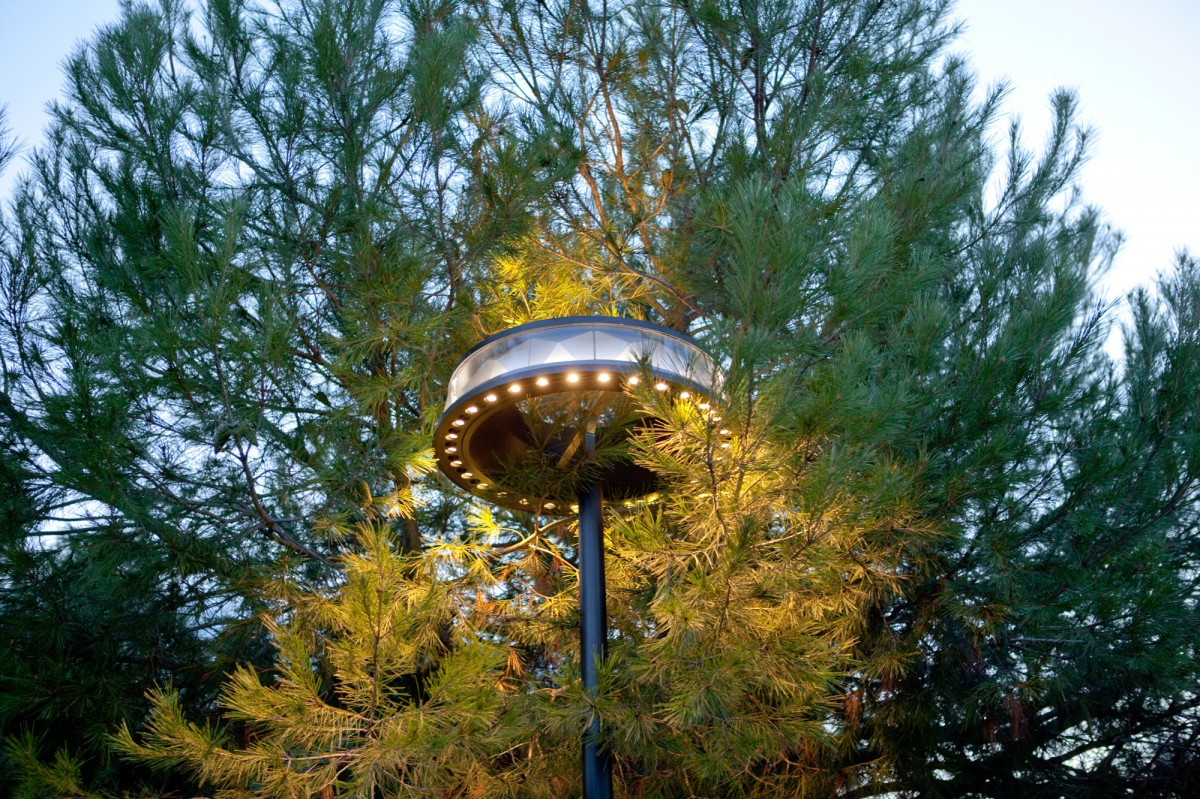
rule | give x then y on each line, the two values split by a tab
487	363
501	358
663	352
463	378
682	359
666	357
457	386
617	344
559	345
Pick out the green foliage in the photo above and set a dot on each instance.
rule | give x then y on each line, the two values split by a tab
946	546
381	686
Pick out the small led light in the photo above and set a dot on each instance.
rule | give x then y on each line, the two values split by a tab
634	380
471	409
603	377
724	445
724	431
571	378
575	508
661	386
685	395
456	462
481	485
491	398
467	475
459	422
716	418
451	450
451	436
502	493
514	388
551	506
543	382
704	406
524	501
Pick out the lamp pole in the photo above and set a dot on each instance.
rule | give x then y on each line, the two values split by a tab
593	627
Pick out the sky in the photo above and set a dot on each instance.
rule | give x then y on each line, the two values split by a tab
1134	67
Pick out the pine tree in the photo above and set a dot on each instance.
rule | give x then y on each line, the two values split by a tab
949	550
382	685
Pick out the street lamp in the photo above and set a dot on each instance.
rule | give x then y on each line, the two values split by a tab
535	419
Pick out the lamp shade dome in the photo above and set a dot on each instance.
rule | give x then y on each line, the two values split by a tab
520	403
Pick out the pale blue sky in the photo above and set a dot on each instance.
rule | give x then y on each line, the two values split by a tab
1136	68
36	36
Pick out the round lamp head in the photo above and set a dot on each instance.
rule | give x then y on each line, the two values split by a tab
521	404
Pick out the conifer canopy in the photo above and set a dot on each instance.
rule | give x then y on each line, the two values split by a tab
937	544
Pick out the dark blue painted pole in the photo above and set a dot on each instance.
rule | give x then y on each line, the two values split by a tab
593	631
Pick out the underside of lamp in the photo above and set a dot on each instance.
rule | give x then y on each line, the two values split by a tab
520	403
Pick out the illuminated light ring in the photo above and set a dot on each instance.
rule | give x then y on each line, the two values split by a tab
601	353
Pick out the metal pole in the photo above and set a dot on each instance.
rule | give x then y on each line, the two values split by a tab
593	631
